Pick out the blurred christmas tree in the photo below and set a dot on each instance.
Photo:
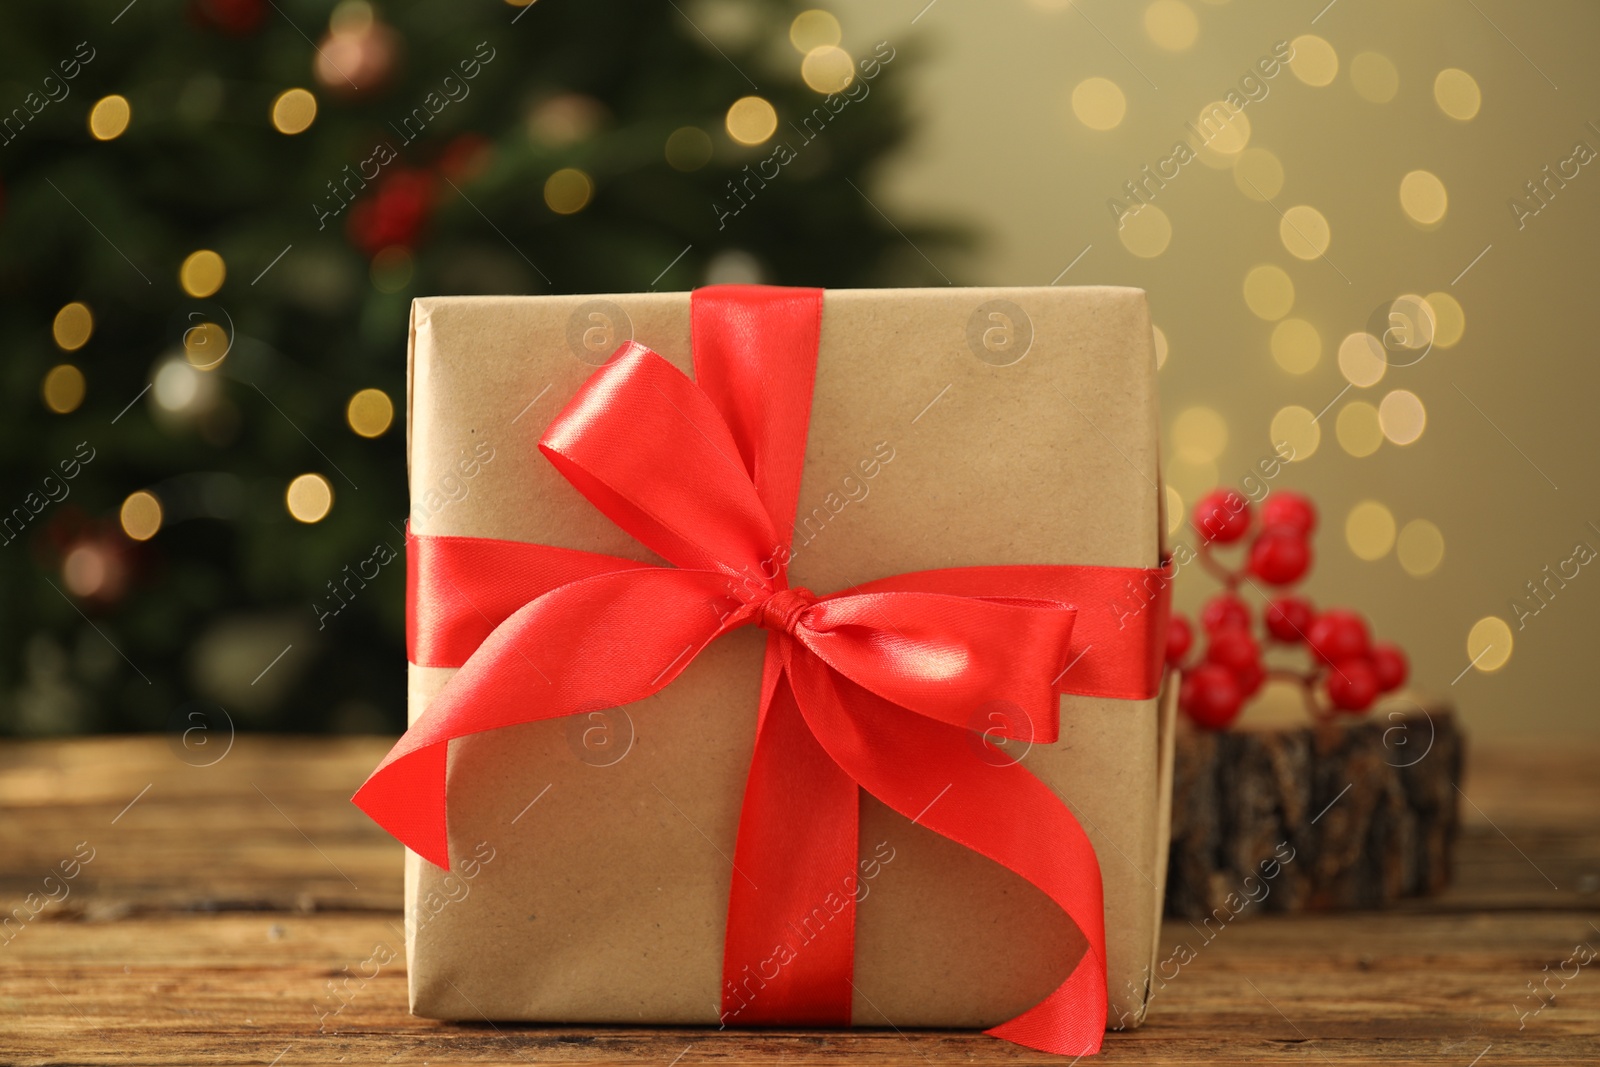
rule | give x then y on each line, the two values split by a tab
213	216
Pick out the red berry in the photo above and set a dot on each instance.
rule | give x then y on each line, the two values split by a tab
1288	618
1390	665
1338	634
1250	679
1222	515
1224	611
1280	555
1210	696
1234	649
1180	638
1284	508
1352	684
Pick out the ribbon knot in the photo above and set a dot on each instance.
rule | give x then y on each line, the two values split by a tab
782	610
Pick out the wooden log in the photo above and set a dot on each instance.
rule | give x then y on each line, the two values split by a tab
1330	816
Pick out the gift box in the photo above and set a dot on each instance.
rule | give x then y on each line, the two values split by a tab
707	853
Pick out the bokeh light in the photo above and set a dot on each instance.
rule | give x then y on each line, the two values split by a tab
1225	130
202	273
1420	548
205	345
1258	174
1298	428
814	29
1268	292
370	412
309	498
1374	76
1304	232
1489	643
1449	321
1175	511
1171	24
1402	416
293	111
73	326
63	388
1358	429
1369	530
1423	197
1361	360
109	117
1099	103
688	148
141	515
1314	60
1296	345
828	69
1199	435
1457	94
568	191
1146	231
751	120
392	269
1161	346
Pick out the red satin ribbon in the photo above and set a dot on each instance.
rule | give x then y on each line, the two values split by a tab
871	688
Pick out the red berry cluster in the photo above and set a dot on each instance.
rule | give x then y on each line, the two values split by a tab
1347	666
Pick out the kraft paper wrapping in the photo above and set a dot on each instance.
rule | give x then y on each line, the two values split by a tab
949	427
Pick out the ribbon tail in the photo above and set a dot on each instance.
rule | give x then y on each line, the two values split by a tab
790	948
600	642
927	771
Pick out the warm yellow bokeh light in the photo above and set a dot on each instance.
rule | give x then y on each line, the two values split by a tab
1258	174
1315	62
1298	428
1099	103
814	29
1269	292
1296	345
1402	416
568	191
1369	530
1358	429
63	388
141	515
1199	435
1449	321
1361	360
1161	346
1146	232
1374	77
309	497
828	69
688	148
1489	643
1223	129
370	412
72	327
1171	24
1175	511
1304	232
109	117
1423	197
1420	548
1457	94
293	111
205	345
751	120
202	273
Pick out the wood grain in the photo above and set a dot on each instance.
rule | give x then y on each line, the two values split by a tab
227	914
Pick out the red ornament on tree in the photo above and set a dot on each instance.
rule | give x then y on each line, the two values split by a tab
395	212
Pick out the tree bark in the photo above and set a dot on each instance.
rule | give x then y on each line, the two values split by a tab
1352	814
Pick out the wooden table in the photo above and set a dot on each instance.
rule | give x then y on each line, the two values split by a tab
222	900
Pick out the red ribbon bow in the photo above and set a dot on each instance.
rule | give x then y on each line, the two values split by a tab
871	688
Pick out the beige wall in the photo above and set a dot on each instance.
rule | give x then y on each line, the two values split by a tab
1506	468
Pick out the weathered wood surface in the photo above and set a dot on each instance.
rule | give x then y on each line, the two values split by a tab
220	905
1342	815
